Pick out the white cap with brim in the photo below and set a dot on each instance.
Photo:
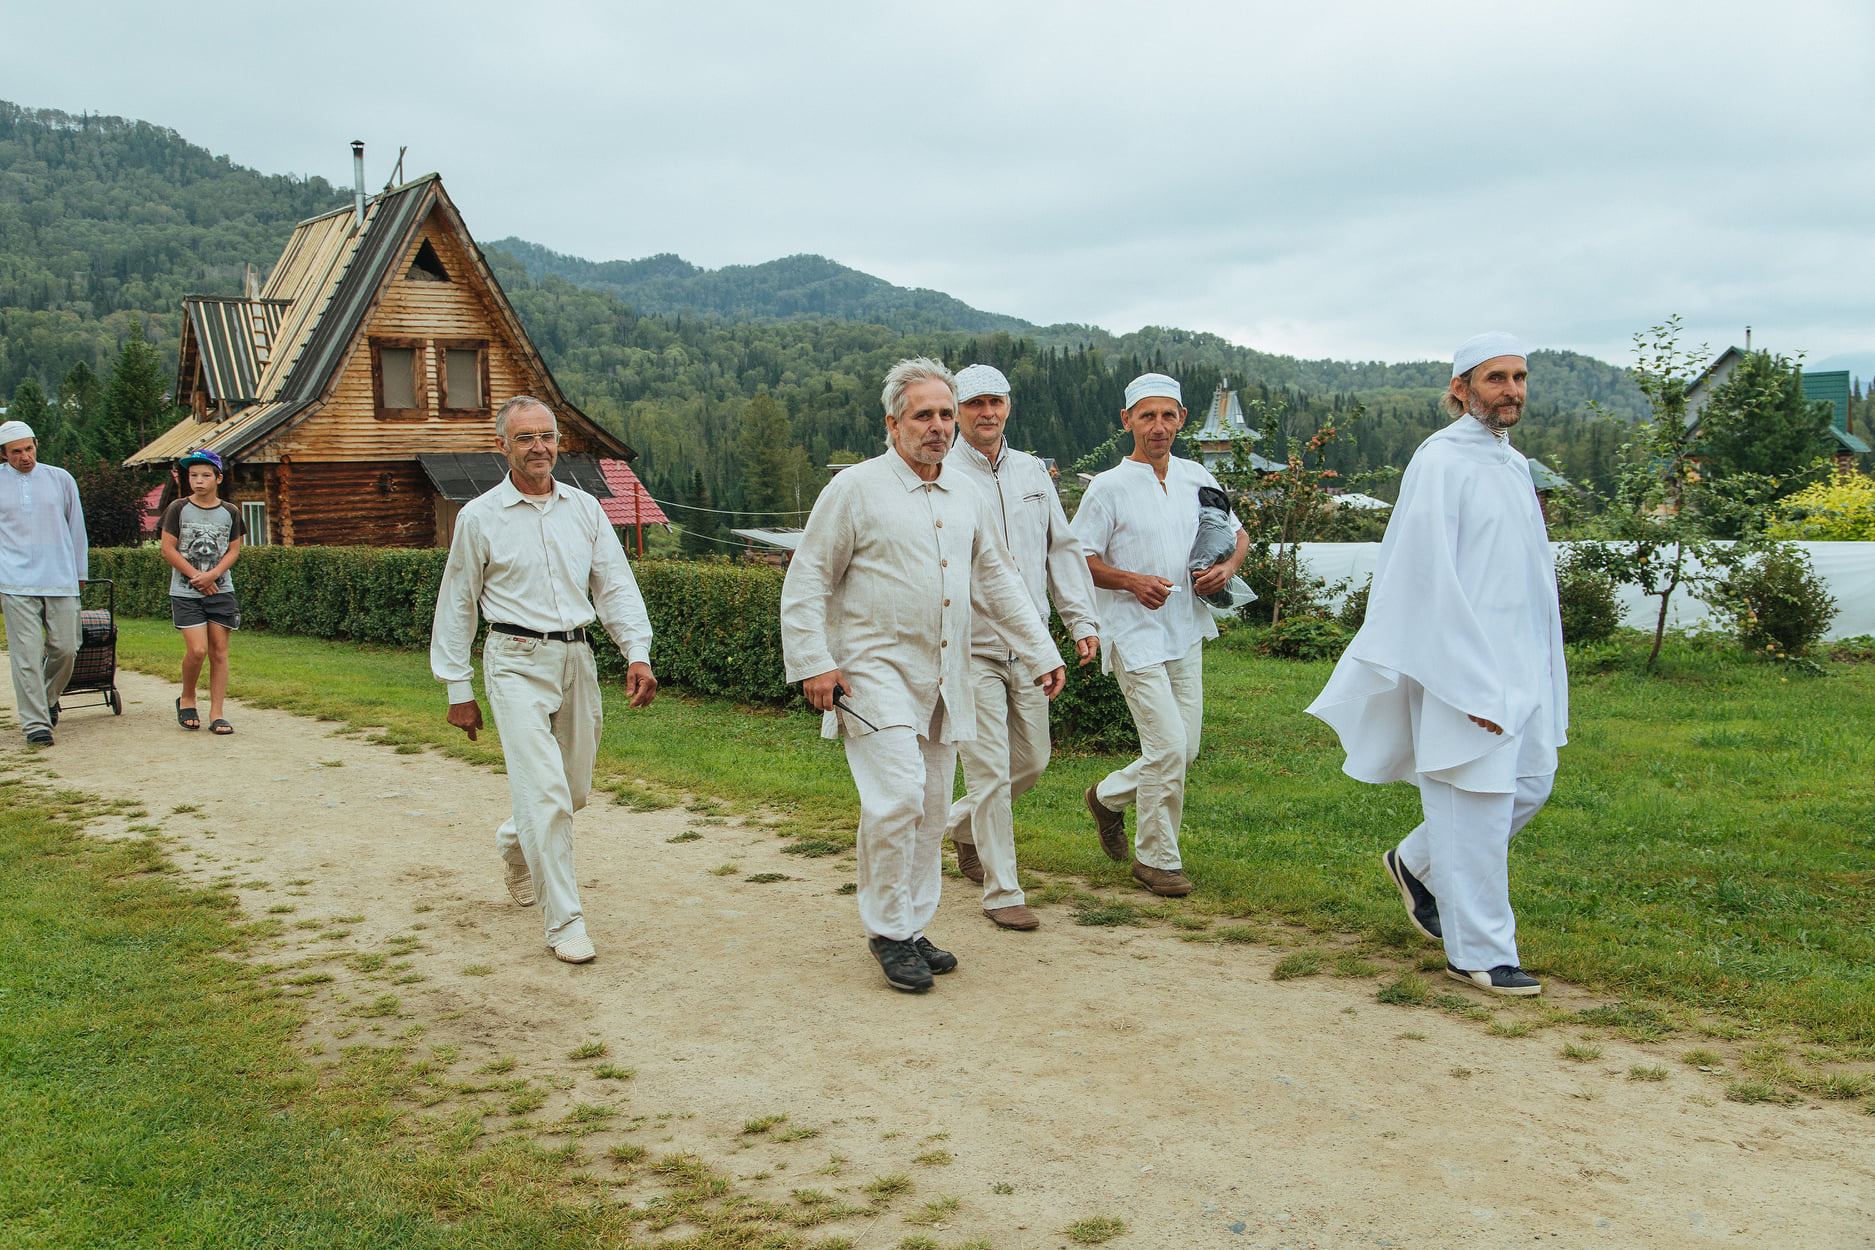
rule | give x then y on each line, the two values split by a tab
14	431
1487	346
1153	386
980	380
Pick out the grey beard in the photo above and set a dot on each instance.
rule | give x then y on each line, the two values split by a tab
1490	420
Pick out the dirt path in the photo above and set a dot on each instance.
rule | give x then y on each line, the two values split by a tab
1078	1070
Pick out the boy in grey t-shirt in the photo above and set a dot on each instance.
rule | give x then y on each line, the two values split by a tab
202	536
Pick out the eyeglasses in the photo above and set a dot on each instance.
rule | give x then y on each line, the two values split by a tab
534	440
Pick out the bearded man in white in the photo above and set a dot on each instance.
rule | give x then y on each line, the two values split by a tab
899	559
1456	680
1006	758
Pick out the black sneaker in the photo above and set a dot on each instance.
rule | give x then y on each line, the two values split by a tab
1503	979
940	962
55	716
904	968
40	737
1421	908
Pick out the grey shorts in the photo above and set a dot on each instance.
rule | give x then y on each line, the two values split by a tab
188	612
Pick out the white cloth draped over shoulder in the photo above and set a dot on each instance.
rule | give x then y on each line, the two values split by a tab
1462	621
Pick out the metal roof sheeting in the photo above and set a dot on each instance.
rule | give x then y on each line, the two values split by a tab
235	338
462	476
631	503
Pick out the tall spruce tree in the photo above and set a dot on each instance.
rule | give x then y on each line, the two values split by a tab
136	407
767	483
1758	421
702	526
70	417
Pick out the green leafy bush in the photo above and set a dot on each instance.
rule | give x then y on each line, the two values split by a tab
1307	638
1590	610
1353	612
1301	593
1778	603
1090	713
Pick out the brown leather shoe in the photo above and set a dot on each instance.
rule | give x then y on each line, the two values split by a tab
968	863
1111	826
1017	917
1161	882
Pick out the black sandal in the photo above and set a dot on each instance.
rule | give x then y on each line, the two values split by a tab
186	716
219	726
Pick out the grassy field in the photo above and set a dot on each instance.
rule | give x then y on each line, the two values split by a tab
1709	845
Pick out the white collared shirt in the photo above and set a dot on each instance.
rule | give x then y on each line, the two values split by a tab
1049	557
42	533
540	565
884	587
1137	524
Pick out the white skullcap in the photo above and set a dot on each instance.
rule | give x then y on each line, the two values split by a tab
1487	346
1152	385
980	380
14	431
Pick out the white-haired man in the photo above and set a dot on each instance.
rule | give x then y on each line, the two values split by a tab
539	560
1456	680
898	559
43	562
1138	521
1006	758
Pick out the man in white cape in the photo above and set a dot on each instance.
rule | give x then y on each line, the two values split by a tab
1456	679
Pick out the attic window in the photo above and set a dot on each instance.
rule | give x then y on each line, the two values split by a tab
427	267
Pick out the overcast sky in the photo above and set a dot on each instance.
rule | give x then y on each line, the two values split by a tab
1355	180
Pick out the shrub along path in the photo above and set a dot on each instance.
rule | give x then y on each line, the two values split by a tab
731	1067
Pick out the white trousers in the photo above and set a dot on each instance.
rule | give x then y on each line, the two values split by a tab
545	696
904	782
1462	854
1167	702
42	644
1000	766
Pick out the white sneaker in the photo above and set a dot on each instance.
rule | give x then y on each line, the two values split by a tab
520	884
574	951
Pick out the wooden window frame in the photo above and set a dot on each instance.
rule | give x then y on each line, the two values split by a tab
420	383
478	346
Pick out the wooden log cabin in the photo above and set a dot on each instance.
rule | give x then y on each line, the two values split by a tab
354	392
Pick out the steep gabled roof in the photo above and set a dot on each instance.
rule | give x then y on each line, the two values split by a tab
325	287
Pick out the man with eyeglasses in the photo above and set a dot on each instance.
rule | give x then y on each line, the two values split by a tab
528	554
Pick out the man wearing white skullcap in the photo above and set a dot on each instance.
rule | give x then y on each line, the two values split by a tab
1006	758
43	562
1138	521
1456	680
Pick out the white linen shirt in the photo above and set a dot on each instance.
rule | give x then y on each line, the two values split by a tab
889	574
1049	557
1137	525
533	565
42	533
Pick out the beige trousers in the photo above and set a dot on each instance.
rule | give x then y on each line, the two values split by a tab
1000	766
42	644
545	696
904	782
1167	702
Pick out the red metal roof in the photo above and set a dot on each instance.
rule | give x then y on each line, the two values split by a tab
630	504
152	514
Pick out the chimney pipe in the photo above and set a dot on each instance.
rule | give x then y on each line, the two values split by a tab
358	184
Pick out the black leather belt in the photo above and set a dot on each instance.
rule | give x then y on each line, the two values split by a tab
569	635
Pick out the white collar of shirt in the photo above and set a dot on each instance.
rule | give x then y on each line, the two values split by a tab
511	494
970	450
910	479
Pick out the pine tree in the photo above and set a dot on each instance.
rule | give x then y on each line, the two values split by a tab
29	405
767	484
136	407
1758	421
702	526
68	420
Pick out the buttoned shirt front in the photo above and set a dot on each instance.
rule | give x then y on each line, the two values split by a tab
42	533
889	575
1049	557
548	566
1137	524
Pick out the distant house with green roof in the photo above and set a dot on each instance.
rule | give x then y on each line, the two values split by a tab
1832	387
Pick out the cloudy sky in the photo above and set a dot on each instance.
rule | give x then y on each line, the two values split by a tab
1368	180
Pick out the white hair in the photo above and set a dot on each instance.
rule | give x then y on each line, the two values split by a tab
907	373
515	405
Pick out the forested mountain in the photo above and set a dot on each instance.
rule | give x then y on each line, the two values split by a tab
105	221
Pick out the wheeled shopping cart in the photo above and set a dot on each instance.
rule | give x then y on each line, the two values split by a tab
95	669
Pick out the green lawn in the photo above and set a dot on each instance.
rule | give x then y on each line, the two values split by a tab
1709	842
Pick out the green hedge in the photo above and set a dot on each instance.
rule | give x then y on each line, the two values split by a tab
716	626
